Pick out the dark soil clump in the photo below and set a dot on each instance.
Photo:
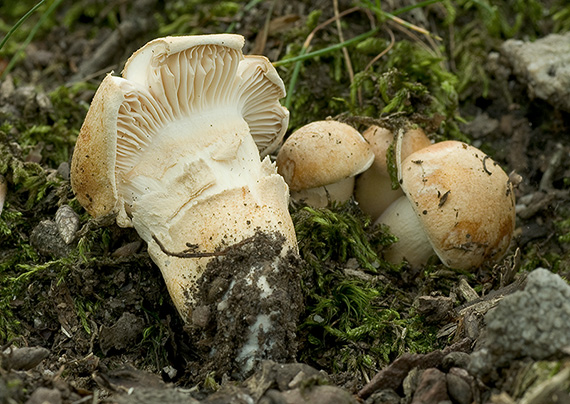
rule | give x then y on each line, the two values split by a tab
249	302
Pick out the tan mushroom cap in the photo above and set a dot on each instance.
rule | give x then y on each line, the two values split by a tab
93	164
464	201
322	153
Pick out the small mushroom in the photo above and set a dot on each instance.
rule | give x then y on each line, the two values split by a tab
320	160
173	148
373	190
458	203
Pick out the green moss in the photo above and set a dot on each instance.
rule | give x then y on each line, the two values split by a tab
347	324
225	9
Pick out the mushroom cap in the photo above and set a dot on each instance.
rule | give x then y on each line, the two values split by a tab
380	140
464	201
322	153
373	190
192	80
93	164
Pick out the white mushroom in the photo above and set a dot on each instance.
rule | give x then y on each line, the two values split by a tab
320	160
171	149
458	203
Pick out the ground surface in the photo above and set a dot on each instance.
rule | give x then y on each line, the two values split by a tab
92	318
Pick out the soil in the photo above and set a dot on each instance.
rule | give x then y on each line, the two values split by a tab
90	320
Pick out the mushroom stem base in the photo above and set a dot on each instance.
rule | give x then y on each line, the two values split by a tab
249	303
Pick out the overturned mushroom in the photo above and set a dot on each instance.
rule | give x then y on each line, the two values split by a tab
173	149
458	203
320	160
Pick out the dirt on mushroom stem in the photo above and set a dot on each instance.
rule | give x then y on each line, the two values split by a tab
247	308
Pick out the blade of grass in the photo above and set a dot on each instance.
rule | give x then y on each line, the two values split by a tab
326	50
31	35
20	22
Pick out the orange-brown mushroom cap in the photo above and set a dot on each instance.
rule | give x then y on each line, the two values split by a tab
322	153
464	201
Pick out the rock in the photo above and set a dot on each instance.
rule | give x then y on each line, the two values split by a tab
67	222
386	396
435	309
282	377
459	389
47	241
432	387
122	334
544	65
24	358
456	359
44	395
534	322
319	395
155	396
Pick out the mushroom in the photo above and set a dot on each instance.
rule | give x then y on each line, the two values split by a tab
458	203
373	189
320	160
173	149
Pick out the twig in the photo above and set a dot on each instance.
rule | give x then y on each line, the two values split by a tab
188	254
304	55
553	164
378	56
345	51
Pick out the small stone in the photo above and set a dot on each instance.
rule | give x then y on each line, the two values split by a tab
46	240
456	359
67	222
386	396
122	334
201	316
458	389
24	358
319	395
155	396
63	170
432	387
544	66
435	309
44	395
534	322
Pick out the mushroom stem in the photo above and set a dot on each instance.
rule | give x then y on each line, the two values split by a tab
413	244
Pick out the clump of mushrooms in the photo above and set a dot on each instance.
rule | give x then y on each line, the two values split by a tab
458	203
173	149
373	189
320	160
